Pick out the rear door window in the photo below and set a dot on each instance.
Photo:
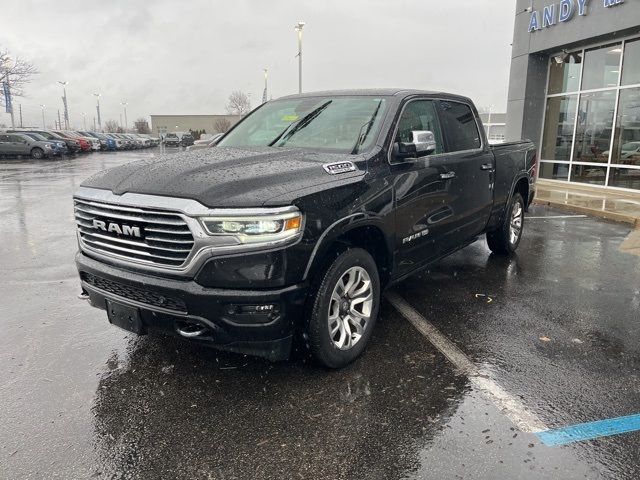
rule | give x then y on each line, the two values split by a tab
459	126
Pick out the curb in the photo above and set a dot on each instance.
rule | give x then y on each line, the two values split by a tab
592	212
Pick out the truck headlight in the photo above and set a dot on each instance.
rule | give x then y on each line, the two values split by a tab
268	227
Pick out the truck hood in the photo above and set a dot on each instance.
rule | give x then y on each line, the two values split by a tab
228	177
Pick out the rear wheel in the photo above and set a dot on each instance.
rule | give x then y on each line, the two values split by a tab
37	153
345	309
505	240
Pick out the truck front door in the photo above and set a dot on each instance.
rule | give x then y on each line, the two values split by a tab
423	197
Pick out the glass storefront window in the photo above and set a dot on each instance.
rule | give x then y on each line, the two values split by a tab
595	124
558	127
565	76
554	171
601	67
593	174
624	178
631	63
582	142
626	146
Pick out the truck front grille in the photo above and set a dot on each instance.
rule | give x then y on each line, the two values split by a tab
145	236
135	293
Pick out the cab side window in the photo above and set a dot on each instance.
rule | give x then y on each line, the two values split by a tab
420	115
459	123
4	138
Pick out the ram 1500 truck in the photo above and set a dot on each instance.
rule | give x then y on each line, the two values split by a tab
296	221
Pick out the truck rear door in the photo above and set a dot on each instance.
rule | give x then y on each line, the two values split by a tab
470	167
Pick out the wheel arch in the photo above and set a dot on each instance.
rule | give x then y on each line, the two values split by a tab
367	234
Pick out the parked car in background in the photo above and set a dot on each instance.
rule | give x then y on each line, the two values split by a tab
119	143
172	140
207	143
137	141
85	146
186	140
21	144
58	146
106	143
73	146
155	141
93	141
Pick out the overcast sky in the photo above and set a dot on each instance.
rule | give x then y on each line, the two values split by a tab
170	57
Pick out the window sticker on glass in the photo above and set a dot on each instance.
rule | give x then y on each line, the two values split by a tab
289	118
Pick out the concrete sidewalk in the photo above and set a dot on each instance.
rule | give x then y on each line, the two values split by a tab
620	207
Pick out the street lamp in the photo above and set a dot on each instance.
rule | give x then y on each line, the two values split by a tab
264	94
97	95
64	103
298	28
43	125
124	104
84	120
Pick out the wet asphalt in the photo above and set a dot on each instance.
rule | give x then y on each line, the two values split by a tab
82	399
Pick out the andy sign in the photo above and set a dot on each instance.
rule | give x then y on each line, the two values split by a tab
563	12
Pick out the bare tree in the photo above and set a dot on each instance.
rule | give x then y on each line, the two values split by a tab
18	71
111	126
222	125
142	126
238	103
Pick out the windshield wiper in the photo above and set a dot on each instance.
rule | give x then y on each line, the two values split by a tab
299	124
363	135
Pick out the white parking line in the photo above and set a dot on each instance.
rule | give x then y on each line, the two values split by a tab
558	216
525	420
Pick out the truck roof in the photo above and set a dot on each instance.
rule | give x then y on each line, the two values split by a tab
377	92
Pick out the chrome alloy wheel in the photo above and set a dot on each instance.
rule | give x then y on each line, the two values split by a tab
515	226
350	308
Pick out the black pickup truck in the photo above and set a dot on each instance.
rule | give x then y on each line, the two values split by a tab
295	222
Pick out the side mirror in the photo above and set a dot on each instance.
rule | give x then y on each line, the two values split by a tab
423	142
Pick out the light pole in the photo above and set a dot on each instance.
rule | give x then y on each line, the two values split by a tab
64	103
124	104
84	120
264	94
43	125
97	95
298	28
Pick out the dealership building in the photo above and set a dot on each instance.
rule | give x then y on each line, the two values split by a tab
574	90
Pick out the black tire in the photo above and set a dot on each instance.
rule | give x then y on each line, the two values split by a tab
320	342
501	241
37	153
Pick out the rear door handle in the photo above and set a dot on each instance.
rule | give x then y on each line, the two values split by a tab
448	175
487	166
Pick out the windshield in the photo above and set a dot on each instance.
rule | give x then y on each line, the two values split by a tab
337	124
35	136
171	135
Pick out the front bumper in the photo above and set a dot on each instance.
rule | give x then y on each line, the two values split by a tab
256	322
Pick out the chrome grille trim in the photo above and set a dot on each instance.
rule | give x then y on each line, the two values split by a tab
173	236
169	247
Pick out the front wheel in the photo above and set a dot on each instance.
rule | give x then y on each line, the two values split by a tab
505	240
37	153
345	309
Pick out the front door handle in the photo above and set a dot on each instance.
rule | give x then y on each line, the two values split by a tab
448	175
487	166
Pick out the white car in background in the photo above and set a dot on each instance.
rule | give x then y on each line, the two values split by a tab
205	143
